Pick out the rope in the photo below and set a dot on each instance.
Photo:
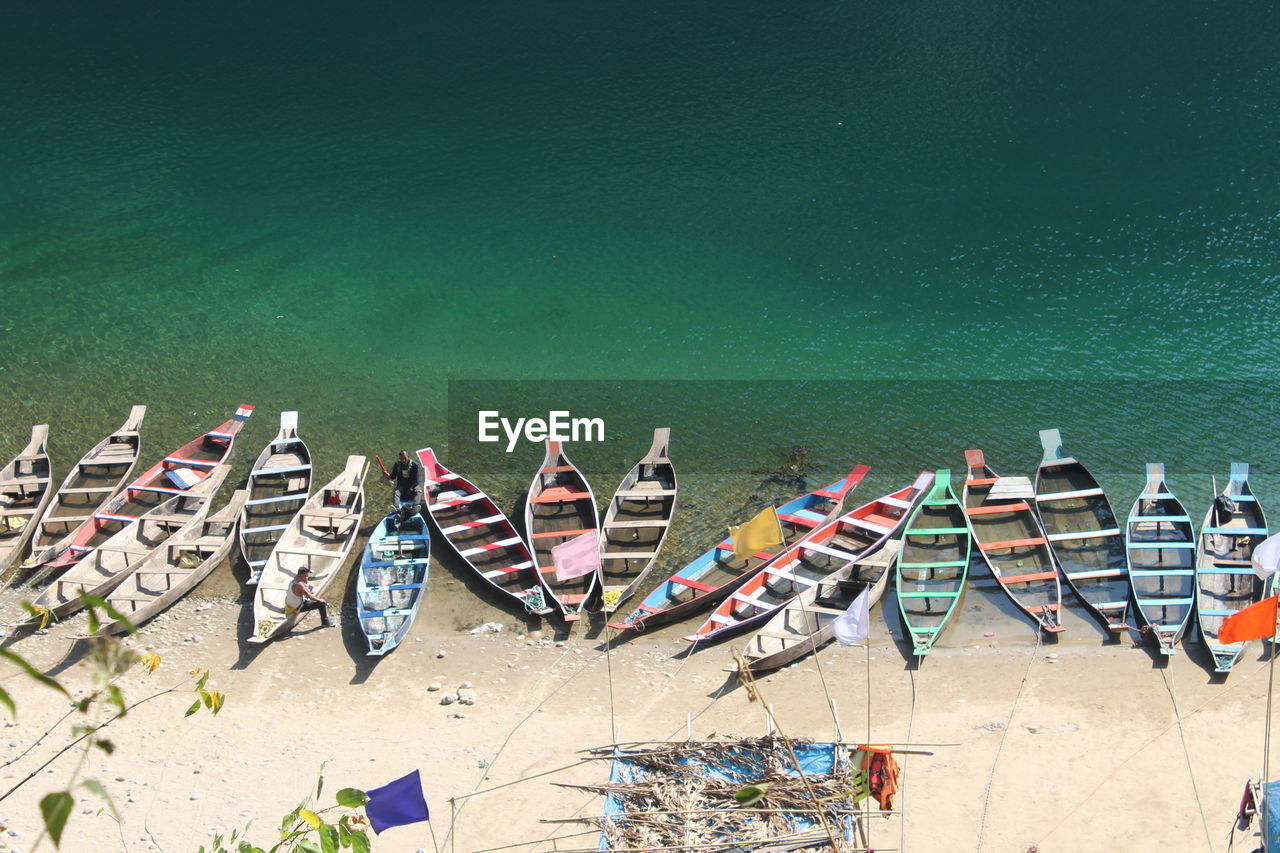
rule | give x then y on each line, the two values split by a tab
902	789
1214	698
986	800
608	662
1186	752
533	601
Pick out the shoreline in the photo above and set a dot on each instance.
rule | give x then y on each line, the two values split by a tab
1087	716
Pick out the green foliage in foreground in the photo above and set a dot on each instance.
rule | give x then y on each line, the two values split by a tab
303	829
307	831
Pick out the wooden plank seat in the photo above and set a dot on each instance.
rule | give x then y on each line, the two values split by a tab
309	552
559	496
1013	543
1161	545
468	525
1028	578
87	490
269	471
556	469
935	531
1154	573
506	570
295	496
492	546
644	493
692	584
1020	506
626	525
187	462
1066	496
982	481
1084	534
266	528
797	520
941	564
561	534
1095	574
22	484
478	496
65	519
1234	531
629	555
1162	519
890	500
830	552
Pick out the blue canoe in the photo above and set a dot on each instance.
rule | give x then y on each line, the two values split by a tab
392	580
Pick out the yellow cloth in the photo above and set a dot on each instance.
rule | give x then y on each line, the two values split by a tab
763	531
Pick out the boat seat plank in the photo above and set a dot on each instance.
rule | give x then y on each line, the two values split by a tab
1224	570
1063	496
629	494
1159	546
1161	519
869	525
942	564
1084	534
492	546
629	555
1013	543
556	469
452	502
1165	602
794	578
692	584
559	497
309	552
295	496
982	481
284	469
1235	531
248	530
935	531
890	500
830	552
183	460
1095	574
1151	573
626	525
561	534
467	525
87	490
1027	578
986	509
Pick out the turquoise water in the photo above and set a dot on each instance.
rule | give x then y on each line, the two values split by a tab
354	211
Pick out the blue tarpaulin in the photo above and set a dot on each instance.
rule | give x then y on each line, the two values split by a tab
816	759
1271	817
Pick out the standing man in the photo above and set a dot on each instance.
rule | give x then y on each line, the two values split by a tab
300	598
406	481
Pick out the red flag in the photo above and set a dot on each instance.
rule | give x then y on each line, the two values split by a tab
1252	623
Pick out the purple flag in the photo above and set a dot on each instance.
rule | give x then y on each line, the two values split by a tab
397	803
577	557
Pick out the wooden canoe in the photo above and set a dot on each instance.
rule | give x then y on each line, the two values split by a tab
169	573
24	495
392	581
706	581
279	484
1011	541
933	565
561	506
1083	532
482	535
1226	583
91	482
196	460
320	537
804	625
1160	544
824	552
636	523
113	560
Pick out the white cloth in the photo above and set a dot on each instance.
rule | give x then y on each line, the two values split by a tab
854	625
1266	557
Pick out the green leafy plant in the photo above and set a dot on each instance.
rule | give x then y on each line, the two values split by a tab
307	830
103	705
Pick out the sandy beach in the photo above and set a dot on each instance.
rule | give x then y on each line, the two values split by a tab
1090	755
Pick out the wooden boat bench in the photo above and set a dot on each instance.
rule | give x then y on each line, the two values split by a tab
334	521
629	555
22	486
652	522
